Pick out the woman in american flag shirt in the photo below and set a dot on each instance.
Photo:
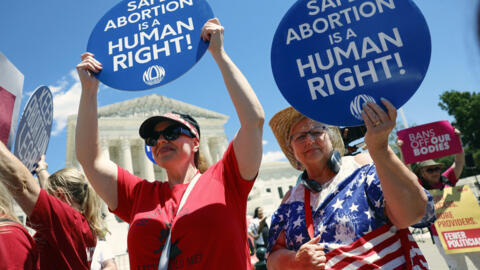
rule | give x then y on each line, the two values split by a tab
359	207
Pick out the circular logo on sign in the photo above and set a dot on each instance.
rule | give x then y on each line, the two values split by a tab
33	133
330	57
145	44
153	75
357	103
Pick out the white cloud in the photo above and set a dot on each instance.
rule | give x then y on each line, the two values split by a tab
74	75
264	142
273	156
29	94
61	84
65	102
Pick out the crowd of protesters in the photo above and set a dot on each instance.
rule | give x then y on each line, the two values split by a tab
345	212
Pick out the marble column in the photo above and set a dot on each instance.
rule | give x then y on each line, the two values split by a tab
104	147
212	145
218	146
126	155
222	143
146	165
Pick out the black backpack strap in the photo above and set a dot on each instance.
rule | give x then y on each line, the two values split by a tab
431	234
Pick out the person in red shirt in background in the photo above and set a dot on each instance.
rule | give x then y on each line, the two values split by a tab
17	248
430	176
65	215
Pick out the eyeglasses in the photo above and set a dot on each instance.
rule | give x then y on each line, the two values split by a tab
301	137
171	133
432	170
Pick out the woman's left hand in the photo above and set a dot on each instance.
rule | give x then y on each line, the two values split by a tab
213	31
379	124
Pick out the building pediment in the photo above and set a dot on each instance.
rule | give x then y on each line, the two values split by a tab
154	104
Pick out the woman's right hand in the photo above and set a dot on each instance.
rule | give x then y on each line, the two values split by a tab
213	31
86	68
399	143
311	255
41	165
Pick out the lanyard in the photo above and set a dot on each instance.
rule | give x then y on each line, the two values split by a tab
308	213
163	263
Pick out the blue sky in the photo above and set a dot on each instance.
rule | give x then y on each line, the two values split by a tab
44	40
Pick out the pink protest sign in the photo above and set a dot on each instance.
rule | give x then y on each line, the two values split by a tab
11	82
7	102
433	140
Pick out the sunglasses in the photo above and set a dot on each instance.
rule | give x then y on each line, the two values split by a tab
171	133
432	170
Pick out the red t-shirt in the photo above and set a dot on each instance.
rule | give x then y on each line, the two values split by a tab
17	248
64	238
210	231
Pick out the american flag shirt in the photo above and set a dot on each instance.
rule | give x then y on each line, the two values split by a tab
349	215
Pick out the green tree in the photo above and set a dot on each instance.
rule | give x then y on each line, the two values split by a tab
465	108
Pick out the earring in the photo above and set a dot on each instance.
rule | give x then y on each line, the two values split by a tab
299	165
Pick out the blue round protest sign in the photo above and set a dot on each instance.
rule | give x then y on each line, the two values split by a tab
330	57
33	133
144	44
148	152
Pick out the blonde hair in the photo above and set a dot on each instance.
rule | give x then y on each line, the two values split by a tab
6	202
73	186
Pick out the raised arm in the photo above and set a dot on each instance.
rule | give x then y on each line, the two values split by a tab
405	199
41	171
457	166
100	171
18	180
248	141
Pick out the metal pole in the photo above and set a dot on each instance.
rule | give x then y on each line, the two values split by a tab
404	119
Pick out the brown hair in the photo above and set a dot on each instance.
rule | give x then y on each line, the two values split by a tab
73	186
201	162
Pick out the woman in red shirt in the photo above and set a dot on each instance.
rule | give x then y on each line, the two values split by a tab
65	215
209	232
17	248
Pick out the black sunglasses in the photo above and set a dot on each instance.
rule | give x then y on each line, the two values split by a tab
171	133
432	170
